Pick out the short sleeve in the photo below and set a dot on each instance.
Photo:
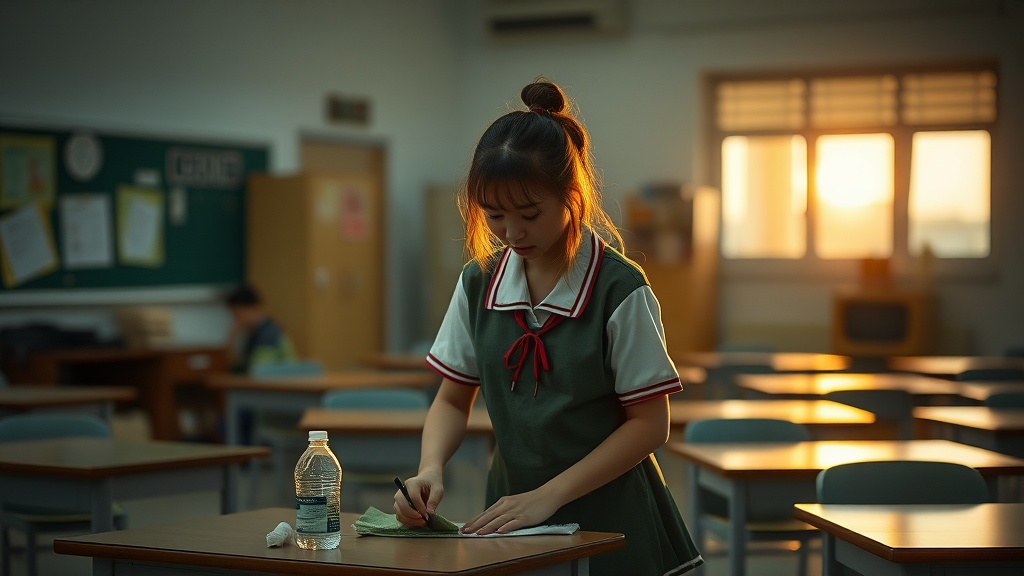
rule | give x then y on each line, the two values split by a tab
639	360
453	355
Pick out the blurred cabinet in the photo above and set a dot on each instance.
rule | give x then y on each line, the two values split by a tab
674	237
315	251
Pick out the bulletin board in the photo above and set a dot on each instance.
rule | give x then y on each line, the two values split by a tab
86	209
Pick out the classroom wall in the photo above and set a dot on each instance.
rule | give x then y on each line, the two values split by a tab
640	97
259	69
250	70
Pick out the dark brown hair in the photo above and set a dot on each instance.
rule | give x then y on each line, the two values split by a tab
541	150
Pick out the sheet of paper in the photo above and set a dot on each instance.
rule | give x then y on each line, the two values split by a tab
27	241
140	226
86	231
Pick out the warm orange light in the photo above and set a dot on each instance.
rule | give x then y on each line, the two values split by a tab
854	170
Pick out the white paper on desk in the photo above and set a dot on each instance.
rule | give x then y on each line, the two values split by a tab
532	531
27	244
86	231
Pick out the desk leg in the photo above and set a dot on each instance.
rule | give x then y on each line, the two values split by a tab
102	505
229	489
695	526
830	567
737	528
231	419
102	567
581	567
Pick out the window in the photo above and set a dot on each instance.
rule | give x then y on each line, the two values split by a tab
847	167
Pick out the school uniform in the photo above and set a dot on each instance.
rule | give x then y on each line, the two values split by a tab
555	378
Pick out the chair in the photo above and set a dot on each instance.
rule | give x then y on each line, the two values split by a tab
894	407
1005	400
901	482
32	521
991	375
369	461
777	525
279	430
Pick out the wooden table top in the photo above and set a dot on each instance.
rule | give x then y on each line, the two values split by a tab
382	422
394	361
325	382
980	391
949	366
779	361
980	417
806	459
238	542
103	457
925	533
808	412
807	385
29	397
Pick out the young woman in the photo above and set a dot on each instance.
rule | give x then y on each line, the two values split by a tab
563	335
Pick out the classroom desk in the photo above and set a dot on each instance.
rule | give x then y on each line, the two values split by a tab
155	373
980	391
912	540
90	473
1000	430
950	366
824	419
394	361
294	394
764	480
236	544
778	361
925	389
16	399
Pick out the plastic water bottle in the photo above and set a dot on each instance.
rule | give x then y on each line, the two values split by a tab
318	496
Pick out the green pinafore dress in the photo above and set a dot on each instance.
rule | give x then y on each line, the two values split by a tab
562	405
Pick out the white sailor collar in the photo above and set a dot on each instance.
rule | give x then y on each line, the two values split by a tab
508	289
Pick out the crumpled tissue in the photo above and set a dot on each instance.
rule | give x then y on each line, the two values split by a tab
281	535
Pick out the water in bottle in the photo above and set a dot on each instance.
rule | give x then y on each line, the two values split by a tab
317	496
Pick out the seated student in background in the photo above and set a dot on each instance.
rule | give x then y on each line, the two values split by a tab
254	337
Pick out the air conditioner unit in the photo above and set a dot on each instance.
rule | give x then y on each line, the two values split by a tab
509	18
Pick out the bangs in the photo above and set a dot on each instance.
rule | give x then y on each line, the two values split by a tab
508	183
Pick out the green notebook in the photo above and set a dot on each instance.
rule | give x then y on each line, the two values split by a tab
376	523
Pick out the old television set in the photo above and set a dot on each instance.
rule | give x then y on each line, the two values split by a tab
883	323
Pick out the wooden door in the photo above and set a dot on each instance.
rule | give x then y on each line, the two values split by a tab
347	309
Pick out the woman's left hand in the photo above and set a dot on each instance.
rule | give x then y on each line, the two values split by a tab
512	513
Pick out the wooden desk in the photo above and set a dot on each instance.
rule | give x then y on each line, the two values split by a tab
980	391
386	361
383	422
14	399
950	366
764	480
236	543
809	386
155	373
778	361
920	539
999	430
824	419
294	394
90	473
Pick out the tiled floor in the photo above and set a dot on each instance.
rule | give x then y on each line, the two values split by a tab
463	494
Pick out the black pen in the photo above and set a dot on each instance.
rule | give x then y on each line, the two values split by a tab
405	492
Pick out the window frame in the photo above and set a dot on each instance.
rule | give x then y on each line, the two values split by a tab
902	264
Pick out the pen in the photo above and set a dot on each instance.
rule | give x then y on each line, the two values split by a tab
405	492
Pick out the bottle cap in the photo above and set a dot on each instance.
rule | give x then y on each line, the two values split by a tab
317	435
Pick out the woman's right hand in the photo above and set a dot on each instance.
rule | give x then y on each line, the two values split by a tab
426	490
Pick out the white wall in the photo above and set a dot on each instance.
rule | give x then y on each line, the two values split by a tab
639	94
259	69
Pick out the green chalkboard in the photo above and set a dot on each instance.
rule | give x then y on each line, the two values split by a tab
200	190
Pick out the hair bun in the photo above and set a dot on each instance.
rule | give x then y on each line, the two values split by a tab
544	94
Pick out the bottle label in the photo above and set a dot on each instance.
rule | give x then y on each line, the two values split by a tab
311	516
